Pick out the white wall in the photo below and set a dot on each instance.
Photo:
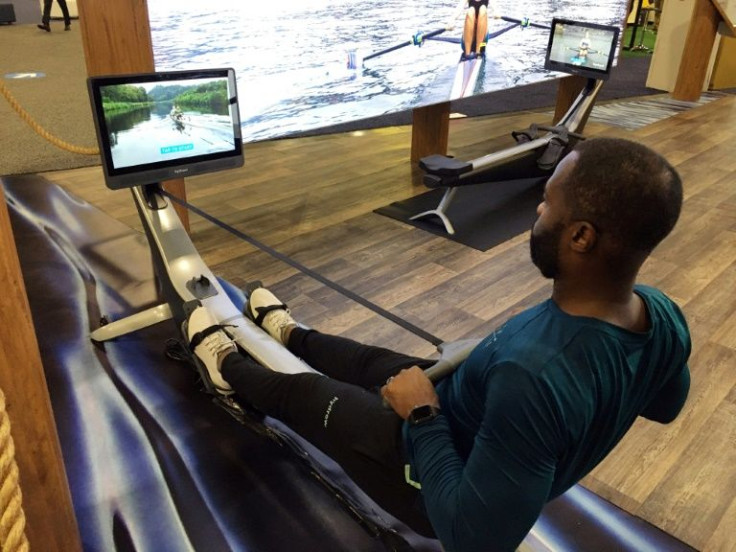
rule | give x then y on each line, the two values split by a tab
671	35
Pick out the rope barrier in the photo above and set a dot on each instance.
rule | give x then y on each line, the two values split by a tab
12	519
40	130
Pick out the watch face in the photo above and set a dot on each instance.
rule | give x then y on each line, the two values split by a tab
423	414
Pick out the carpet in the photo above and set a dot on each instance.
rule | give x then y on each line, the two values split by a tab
46	74
640	112
484	215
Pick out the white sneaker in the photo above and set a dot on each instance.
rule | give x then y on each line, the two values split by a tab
209	341
269	313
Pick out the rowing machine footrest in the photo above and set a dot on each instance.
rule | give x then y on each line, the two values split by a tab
527	135
552	153
533	132
522	136
190	306
251	286
442	165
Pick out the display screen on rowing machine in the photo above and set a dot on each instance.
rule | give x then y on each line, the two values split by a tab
584	49
159	126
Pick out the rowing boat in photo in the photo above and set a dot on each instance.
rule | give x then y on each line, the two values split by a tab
466	77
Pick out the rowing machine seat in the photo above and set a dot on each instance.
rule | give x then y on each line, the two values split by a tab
442	170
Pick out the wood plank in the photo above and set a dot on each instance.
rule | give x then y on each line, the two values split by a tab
651	453
725	335
671	505
722	539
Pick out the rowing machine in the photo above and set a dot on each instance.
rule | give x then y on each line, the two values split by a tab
137	159
532	156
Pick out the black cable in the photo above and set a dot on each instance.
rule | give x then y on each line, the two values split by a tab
309	272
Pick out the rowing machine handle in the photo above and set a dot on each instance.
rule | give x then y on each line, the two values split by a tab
452	354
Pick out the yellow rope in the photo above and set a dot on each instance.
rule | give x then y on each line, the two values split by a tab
41	131
12	519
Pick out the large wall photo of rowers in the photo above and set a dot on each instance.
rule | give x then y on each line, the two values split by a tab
305	64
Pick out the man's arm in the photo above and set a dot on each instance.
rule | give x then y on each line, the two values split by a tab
491	501
668	403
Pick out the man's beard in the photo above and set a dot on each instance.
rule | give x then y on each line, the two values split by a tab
545	250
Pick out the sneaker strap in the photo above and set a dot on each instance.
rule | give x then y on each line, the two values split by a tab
263	311
198	337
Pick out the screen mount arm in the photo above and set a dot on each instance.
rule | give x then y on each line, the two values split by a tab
154	199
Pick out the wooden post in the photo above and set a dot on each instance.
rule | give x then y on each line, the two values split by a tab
701	36
116	35
568	89
430	130
47	503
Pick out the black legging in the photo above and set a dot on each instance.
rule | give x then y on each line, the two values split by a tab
340	412
47	11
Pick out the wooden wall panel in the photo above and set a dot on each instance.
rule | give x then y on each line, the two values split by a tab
701	36
430	130
116	35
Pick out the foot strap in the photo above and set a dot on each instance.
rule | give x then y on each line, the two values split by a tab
198	337
263	311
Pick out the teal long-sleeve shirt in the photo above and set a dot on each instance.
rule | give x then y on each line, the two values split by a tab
534	408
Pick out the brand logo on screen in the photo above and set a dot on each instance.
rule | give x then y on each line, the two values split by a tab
181	171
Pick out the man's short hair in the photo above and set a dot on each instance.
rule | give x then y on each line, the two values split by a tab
624	189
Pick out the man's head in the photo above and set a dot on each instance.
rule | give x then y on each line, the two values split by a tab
611	194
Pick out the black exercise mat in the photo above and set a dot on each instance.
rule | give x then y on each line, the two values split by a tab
483	215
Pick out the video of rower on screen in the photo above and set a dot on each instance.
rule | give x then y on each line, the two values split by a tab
581	45
162	121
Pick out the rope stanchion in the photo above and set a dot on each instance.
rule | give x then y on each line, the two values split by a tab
40	130
12	519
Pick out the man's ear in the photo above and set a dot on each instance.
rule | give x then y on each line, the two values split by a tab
584	237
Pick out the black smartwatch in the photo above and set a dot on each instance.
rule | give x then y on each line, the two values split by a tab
422	414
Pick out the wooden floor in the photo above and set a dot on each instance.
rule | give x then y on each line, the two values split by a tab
312	199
